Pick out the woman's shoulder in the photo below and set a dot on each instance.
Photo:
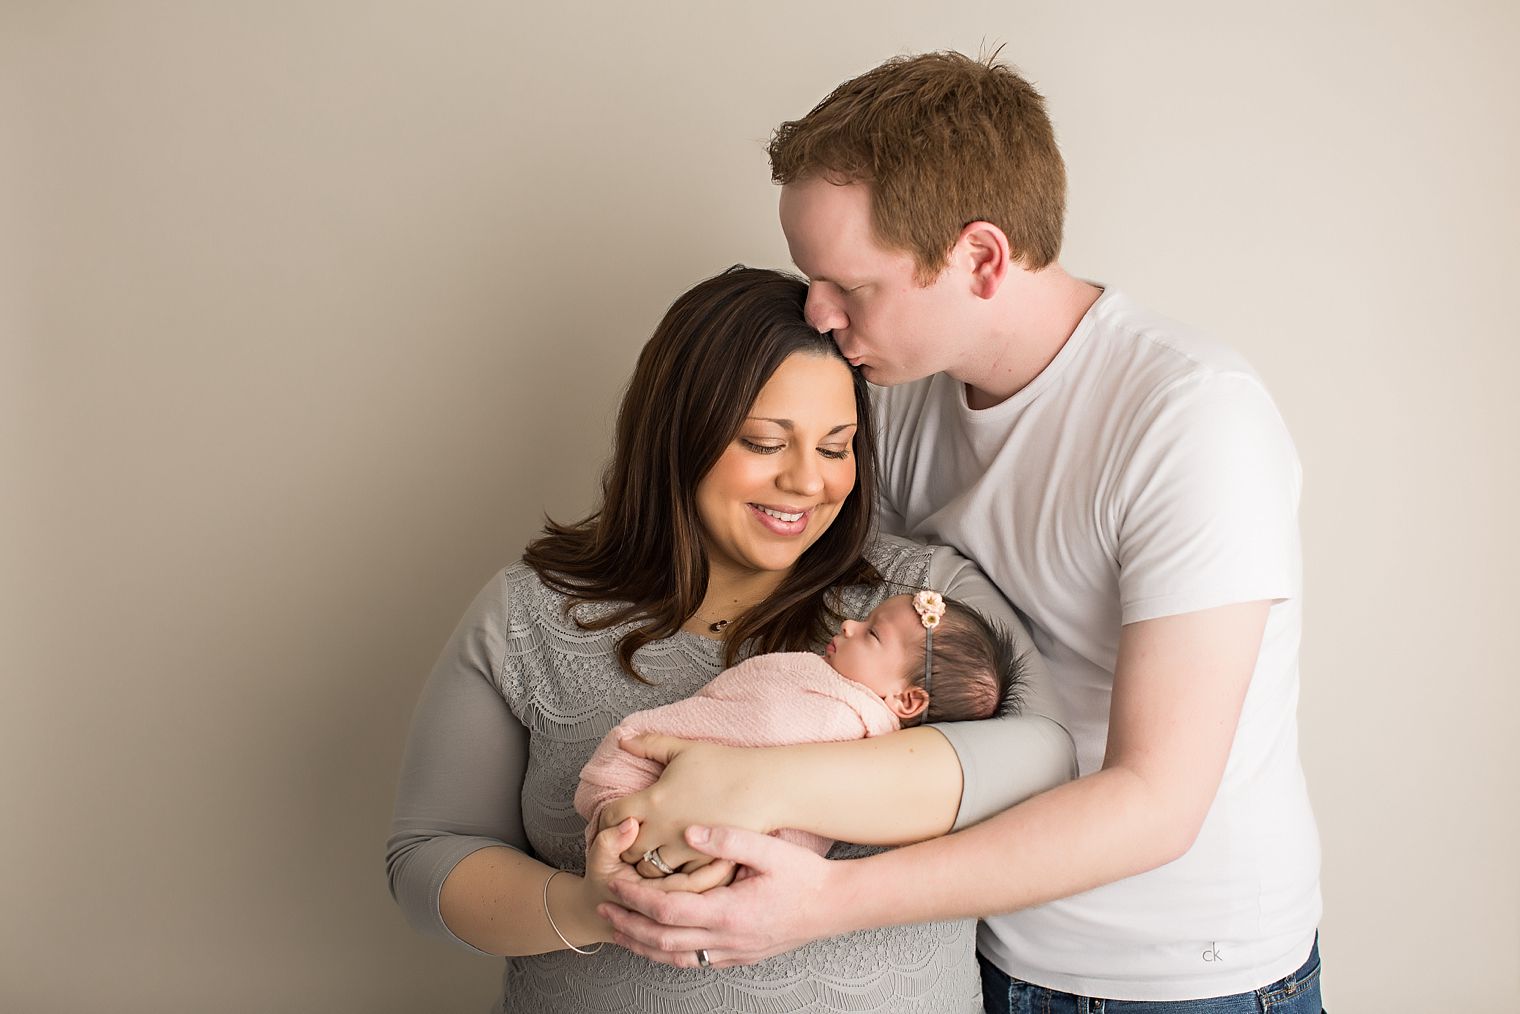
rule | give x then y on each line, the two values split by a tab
515	605
513	591
534	598
523	583
894	556
547	656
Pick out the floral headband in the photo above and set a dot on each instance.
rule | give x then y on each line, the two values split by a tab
930	607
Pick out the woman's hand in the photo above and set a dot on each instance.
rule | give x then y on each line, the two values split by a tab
703	783
605	866
777	903
604	860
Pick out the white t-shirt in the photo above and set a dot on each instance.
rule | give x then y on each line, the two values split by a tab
1144	473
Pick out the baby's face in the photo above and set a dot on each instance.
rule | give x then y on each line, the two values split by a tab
877	651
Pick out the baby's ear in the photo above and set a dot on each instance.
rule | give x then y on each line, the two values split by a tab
909	702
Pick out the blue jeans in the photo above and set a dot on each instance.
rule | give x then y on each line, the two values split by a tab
1294	994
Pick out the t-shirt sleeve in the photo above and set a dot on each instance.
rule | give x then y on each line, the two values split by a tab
1207	511
1003	760
461	779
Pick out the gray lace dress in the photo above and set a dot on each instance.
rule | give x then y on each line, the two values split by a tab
516	704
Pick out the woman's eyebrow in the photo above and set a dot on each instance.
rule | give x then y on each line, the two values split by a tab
788	425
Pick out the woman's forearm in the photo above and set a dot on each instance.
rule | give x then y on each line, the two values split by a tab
494	900
882	791
918	783
888	790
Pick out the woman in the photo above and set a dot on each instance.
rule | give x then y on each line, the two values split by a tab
735	518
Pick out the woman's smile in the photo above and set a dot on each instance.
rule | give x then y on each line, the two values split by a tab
781	520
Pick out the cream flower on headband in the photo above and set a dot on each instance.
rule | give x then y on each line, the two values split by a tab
930	606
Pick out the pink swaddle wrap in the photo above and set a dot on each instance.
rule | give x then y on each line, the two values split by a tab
769	700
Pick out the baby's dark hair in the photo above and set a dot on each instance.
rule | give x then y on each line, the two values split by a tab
978	673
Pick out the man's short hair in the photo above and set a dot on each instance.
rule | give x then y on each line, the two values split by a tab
944	141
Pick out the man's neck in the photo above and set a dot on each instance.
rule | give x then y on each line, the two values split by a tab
1036	312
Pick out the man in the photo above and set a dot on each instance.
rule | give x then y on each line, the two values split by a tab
1133	490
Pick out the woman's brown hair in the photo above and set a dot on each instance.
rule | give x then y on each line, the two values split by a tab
695	381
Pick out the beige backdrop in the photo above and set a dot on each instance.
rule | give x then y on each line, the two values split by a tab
311	310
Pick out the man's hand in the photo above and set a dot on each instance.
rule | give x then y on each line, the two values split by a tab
774	905
703	784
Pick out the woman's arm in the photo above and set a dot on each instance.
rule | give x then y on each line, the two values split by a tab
838	790
458	854
889	790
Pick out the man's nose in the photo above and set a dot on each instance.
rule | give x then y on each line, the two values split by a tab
822	311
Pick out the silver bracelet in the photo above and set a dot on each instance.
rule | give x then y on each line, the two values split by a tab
578	950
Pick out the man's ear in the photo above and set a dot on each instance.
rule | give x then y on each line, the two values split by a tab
907	703
989	257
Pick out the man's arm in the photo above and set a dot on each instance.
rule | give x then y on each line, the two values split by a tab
1179	686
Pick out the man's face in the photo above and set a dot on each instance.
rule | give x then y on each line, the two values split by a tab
894	329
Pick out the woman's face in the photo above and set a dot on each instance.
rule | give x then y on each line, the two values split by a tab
780	483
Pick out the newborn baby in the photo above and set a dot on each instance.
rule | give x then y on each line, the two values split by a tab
914	658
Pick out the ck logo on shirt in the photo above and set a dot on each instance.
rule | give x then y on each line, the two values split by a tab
1212	954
